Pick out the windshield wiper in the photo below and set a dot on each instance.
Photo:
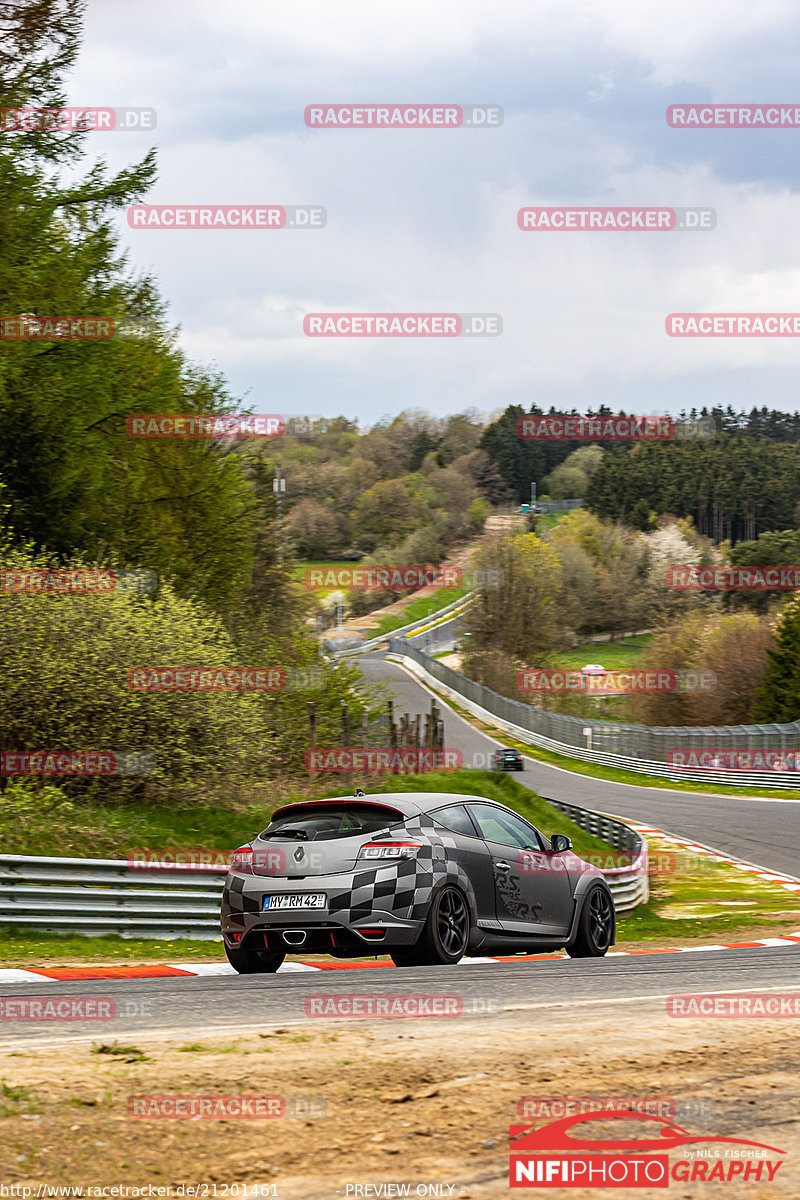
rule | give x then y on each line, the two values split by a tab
299	835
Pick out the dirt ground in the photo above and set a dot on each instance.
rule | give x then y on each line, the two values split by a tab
423	1102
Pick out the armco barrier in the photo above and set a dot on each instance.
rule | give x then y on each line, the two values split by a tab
95	896
454	609
630	885
638	748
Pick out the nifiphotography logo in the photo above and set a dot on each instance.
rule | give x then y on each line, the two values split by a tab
551	1156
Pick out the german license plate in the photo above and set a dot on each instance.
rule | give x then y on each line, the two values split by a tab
295	900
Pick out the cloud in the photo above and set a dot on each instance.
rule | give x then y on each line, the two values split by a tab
426	220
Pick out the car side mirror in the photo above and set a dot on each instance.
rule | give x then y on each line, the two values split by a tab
560	843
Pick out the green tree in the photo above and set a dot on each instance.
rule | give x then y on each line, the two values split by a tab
773	548
733	486
779	695
520	617
478	512
641	517
620	596
75	479
64	685
722	658
570	479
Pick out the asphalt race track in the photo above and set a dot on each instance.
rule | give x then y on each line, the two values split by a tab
765	832
558	989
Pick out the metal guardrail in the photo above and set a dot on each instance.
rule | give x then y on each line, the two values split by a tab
404	630
639	748
551	506
94	896
629	885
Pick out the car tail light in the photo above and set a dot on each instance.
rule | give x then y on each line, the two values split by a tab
392	850
374	935
242	860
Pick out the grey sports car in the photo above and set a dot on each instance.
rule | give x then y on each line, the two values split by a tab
426	876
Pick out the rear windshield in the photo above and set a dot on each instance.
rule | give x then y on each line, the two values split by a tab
307	824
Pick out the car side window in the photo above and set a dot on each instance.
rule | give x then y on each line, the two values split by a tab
455	818
498	826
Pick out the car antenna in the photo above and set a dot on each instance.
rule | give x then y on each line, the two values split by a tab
358	792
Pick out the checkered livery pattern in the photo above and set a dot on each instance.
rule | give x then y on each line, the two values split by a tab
404	888
236	904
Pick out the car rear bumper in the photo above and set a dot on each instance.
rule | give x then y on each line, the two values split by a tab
364	921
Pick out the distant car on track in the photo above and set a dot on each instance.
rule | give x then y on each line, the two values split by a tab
508	759
426	876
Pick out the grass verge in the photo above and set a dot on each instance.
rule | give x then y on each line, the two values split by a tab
693	897
45	821
426	606
25	948
614	656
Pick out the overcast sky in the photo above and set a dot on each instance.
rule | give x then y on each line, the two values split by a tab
425	221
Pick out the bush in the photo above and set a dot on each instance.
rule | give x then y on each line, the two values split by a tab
64	663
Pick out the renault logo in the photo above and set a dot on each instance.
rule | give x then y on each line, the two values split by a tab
298	854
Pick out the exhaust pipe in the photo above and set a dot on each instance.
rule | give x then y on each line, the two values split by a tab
294	937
